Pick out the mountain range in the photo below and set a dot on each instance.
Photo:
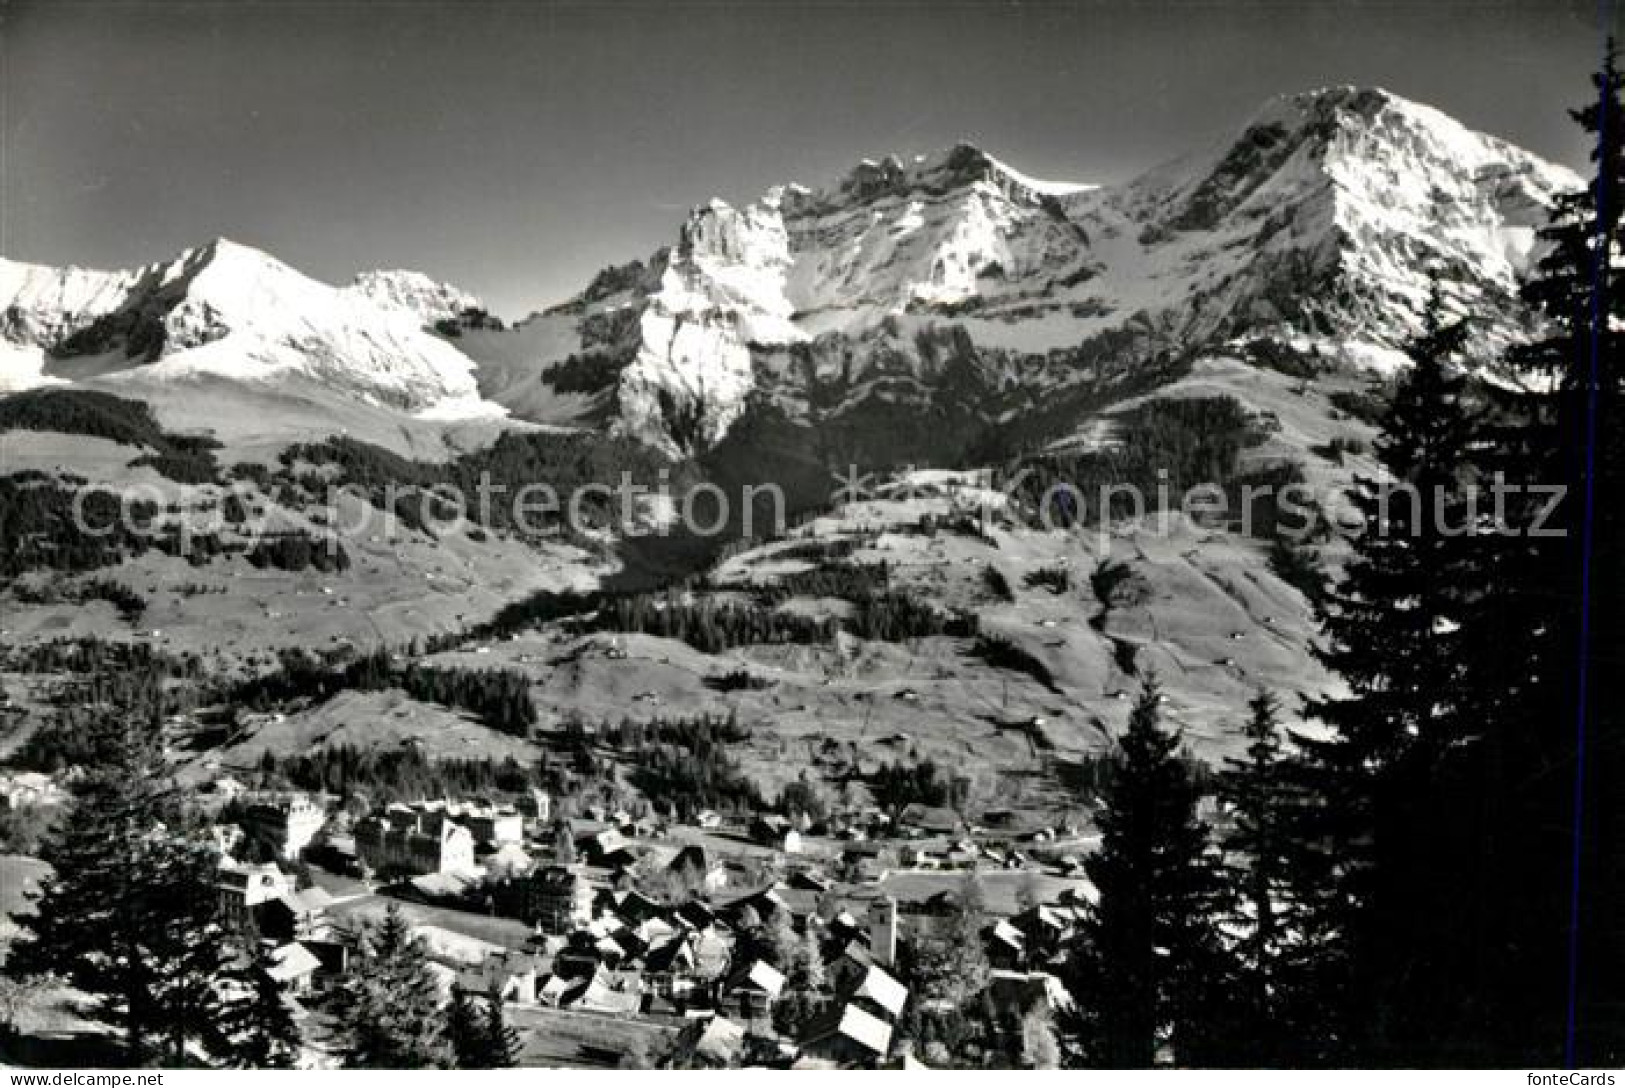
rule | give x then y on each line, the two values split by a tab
952	286
916	316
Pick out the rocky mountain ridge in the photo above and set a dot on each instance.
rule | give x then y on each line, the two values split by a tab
949	300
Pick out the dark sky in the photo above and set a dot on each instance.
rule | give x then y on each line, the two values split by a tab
515	148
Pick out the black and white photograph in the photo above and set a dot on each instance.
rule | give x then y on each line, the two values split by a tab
813	536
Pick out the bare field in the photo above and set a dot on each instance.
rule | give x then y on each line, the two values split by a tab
373	719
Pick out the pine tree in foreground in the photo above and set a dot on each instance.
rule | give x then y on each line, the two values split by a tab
257	1027
1282	965
465	1031
1549	640
129	914
501	1040
1148	965
388	1011
1400	854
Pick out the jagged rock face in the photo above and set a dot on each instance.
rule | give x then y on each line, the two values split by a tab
225	311
952	290
799	266
75	311
429	300
1326	216
1319	224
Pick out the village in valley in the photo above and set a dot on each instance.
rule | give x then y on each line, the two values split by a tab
622	843
634	940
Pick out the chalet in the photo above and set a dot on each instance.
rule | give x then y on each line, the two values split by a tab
801	902
692	865
620	946
765	905
1048	926
336	853
866	860
294	967
293	916
880	994
1006	945
920	819
777	832
845	926
552	989
849	1036
579	958
696	915
669	967
596	993
608	849
511	976
241	888
1019	992
810	880
751	991
847	970
632	906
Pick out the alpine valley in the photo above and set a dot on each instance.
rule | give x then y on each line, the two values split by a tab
955	330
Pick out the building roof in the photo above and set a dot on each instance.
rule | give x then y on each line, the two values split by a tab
863	1028
597	995
510	858
759	975
885	991
446	885
1024	989
766	903
696	914
240	877
445	944
634	906
930	818
674	954
293	961
1007	934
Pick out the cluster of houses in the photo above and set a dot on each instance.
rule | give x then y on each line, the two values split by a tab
615	918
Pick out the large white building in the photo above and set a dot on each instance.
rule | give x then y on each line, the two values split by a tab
288	824
409	840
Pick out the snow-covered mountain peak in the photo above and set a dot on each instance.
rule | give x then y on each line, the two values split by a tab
1323	215
957	168
1316	223
1321	218
222	310
402	289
